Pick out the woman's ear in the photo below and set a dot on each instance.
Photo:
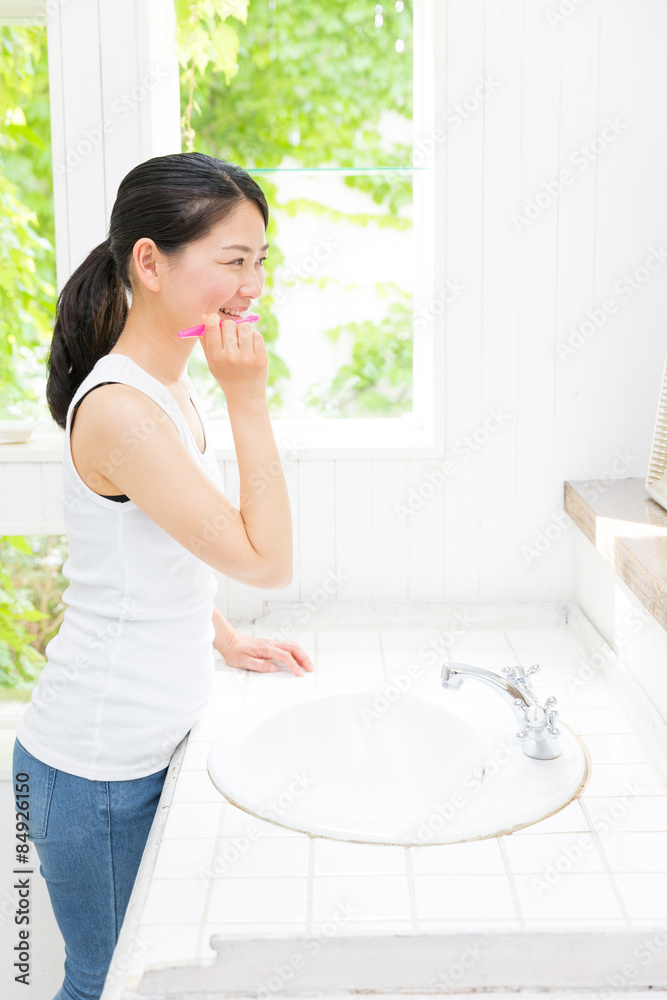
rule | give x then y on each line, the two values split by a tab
145	256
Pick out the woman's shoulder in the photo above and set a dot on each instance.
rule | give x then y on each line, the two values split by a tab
112	419
113	408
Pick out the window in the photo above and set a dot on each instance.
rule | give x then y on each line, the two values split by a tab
320	111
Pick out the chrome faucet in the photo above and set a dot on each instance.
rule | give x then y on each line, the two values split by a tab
538	735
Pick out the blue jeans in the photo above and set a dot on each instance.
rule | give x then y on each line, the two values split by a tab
89	836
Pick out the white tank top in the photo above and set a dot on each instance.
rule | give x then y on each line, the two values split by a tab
131	668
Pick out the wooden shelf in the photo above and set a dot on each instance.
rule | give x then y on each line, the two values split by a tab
629	530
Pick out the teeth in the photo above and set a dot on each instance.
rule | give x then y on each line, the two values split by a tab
232	312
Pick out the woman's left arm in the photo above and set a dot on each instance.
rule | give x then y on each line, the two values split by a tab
256	654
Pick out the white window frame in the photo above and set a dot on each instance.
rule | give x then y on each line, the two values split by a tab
24	12
419	434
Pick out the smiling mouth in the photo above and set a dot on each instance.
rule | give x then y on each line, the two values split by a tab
233	312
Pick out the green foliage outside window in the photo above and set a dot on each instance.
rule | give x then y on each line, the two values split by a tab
31	609
27	262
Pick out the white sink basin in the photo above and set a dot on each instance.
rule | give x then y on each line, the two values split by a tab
418	772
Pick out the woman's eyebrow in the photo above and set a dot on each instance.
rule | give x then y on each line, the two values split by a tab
239	246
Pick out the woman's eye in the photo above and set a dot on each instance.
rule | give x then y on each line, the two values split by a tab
240	261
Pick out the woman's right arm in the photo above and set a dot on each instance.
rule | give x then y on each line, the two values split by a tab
138	448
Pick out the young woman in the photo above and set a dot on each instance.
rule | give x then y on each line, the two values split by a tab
131	667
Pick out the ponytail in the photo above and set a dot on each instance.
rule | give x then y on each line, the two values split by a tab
174	200
90	315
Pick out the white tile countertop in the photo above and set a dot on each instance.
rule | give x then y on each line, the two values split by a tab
594	873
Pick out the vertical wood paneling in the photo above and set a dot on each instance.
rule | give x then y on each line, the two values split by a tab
354	540
159	115
316	526
500	298
82	84
291	472
119	76
615	224
425	524
103	123
539	492
243	601
221	598
578	246
52	491
464	59
57	111
577	243
389	534
645	192
23	484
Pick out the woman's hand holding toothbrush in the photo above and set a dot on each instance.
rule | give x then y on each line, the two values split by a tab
236	356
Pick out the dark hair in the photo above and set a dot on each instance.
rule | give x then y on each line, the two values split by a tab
174	200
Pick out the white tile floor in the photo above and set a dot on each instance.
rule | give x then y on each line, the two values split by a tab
599	862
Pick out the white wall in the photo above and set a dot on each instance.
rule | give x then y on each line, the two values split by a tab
554	86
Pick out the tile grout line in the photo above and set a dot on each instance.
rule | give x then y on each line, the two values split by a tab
209	888
510	875
316	661
310	885
412	889
385	671
311	840
511	646
244	694
605	861
316	658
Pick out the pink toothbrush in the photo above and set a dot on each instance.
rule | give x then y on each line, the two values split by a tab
199	331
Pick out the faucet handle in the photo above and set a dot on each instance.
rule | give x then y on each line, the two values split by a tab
551	719
519	675
538	718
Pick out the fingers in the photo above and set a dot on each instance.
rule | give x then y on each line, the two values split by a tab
228	332
229	336
250	340
282	656
261	666
298	653
218	337
267	657
279	653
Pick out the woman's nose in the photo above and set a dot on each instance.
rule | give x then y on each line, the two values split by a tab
251	285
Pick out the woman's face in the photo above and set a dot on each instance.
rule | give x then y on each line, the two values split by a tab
226	268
